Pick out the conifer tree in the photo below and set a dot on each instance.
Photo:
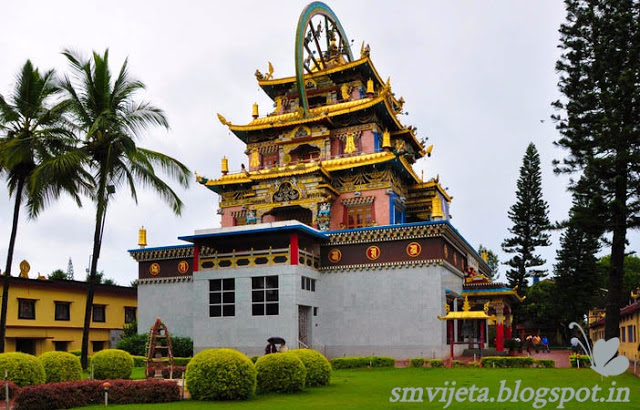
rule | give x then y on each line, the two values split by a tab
530	222
600	121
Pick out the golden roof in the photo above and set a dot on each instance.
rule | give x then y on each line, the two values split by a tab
466	312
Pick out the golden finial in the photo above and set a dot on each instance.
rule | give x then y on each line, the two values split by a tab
484	255
24	269
428	150
386	139
486	307
370	89
446	308
225	166
142	237
466	307
223	120
254	111
270	72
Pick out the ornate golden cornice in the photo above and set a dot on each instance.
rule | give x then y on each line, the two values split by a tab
391	233
383	266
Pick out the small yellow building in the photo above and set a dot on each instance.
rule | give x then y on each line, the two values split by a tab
45	315
629	328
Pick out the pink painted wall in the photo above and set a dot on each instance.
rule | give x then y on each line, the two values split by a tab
227	217
368	142
380	203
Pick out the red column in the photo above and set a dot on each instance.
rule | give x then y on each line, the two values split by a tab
196	257
499	337
451	341
508	332
293	245
482	333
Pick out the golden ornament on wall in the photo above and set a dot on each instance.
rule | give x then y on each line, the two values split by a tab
183	267
335	255
154	269
414	249
373	252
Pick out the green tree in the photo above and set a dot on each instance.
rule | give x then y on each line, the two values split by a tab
109	116
600	121
576	270
31	133
530	224
492	261
57	274
630	277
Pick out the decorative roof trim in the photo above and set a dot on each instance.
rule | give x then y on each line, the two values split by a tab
175	279
163	253
383	266
359	200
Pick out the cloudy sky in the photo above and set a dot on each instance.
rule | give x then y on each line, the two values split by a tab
478	79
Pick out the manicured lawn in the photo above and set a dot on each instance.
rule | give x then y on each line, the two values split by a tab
136	374
369	389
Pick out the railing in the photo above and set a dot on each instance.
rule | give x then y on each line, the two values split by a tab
263	257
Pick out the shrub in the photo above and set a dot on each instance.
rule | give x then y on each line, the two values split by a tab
181	361
72	394
436	363
417	362
457	363
61	366
23	369
112	364
13	389
282	373
318	367
221	374
254	359
79	353
181	346
506	362
139	361
581	359
177	372
473	364
545	363
136	344
357	362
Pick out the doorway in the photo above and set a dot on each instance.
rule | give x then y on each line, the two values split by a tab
304	326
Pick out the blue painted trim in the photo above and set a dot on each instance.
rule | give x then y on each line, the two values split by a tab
392	209
303	228
487	290
159	248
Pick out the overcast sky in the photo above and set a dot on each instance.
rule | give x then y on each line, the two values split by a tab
478	79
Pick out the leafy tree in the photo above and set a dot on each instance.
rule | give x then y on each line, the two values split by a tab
541	304
492	261
106	112
530	223
600	121
31	133
57	274
631	275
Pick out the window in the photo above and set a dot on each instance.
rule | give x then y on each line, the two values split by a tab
222	297
270	160
26	308
97	346
359	216
129	314
61	346
308	283
315	311
62	310
99	314
630	334
264	295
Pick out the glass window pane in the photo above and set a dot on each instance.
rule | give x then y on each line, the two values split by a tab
272	282
272	309
215	284
257	296
229	310
257	309
229	284
214	311
215	298
257	283
313	285
302	277
272	295
229	297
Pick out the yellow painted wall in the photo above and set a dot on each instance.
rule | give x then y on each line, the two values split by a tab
46	330
627	347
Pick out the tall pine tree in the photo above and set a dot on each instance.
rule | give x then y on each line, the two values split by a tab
600	121
530	222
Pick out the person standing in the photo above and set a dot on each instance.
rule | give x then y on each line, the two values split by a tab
545	344
271	348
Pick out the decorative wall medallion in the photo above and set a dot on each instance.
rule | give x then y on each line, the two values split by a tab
446	251
414	249
286	192
373	253
183	266
335	255
154	269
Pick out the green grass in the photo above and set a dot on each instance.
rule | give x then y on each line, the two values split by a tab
371	388
136	374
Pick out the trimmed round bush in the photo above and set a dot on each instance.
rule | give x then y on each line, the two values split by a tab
23	369
417	362
61	366
280	372
112	364
318	367
220	374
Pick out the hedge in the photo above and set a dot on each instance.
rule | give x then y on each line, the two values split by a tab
545	363
457	363
506	362
137	345
436	363
112	364
356	362
178	371
61	366
317	365
417	362
220	374
583	359
23	369
66	395
280	373
79	354
13	389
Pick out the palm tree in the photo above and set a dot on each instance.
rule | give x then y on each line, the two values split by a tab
31	132
110	119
